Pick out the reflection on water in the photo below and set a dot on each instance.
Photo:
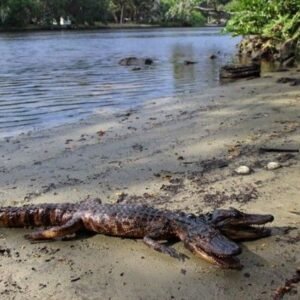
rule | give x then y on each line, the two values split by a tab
55	77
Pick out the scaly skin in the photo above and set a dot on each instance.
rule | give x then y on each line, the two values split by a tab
208	236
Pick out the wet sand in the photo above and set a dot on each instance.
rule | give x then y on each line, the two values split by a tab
171	153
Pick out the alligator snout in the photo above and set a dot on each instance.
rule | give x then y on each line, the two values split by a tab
221	246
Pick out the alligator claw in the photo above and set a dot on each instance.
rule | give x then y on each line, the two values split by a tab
173	253
29	236
32	239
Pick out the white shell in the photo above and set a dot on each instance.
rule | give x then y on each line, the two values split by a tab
243	170
273	165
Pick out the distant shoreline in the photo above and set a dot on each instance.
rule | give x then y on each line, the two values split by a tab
96	27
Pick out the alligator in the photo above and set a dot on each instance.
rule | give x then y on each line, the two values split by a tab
212	236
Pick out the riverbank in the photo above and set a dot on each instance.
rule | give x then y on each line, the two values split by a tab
171	153
34	28
110	26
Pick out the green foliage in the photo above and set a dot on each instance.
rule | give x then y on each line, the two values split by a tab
18	12
269	18
86	11
197	19
183	12
21	13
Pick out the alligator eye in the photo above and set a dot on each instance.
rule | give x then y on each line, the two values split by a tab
236	212
191	216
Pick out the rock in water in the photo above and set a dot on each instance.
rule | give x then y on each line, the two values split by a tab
135	61
189	62
273	165
243	170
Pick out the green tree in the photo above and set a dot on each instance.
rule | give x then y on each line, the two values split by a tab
182	12
18	13
50	10
144	10
119	7
87	11
192	12
269	18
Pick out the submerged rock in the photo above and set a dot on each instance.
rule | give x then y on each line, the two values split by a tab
135	61
189	62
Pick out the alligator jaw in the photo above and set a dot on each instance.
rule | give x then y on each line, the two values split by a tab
225	262
237	225
234	217
245	233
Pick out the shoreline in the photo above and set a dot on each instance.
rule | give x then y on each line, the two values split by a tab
179	156
97	27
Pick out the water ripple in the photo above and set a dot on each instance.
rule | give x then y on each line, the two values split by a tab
55	77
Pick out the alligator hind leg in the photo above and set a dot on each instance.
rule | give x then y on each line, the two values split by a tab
156	245
70	227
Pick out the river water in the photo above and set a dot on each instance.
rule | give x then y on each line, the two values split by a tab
50	78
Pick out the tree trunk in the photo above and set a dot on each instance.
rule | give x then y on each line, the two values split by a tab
115	17
122	14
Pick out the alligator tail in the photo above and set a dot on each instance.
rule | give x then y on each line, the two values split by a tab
36	215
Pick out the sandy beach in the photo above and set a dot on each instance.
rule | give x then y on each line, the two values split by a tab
170	153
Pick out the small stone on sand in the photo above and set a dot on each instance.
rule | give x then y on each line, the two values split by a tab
273	165
243	170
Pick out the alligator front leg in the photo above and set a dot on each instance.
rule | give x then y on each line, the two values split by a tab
156	245
70	227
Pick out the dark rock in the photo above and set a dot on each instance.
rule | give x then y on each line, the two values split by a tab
288	50
213	56
135	61
189	62
289	62
148	61
129	61
292	81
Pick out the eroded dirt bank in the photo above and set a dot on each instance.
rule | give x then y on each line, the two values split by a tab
175	154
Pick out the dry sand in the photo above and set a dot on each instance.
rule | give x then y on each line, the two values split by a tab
171	153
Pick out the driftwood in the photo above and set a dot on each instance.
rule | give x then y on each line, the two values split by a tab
267	149
292	81
240	71
287	287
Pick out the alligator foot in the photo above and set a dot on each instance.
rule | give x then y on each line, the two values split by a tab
156	245
56	232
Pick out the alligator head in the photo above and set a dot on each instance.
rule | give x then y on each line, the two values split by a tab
213	247
239	226
213	238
